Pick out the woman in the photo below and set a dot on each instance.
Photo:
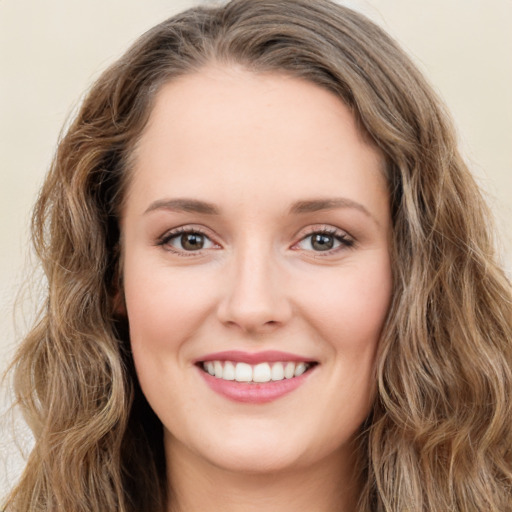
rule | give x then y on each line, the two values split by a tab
271	282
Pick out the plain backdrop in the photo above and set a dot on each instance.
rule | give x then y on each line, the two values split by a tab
51	51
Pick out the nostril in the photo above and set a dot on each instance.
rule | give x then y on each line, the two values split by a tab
254	301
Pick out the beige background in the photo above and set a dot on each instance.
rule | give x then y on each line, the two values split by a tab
50	51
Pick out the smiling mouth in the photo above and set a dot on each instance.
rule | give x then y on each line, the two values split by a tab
257	373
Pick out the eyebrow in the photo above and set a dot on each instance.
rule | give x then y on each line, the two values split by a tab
184	205
299	207
317	205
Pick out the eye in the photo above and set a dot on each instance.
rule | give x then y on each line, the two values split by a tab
186	241
325	240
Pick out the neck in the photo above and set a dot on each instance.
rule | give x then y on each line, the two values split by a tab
195	484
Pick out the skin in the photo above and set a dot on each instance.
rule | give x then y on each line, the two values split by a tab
253	146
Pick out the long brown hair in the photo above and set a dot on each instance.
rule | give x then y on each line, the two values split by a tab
438	437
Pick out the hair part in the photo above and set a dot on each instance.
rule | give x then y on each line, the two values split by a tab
438	437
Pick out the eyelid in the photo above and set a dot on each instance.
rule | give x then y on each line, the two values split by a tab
164	239
343	237
322	228
345	240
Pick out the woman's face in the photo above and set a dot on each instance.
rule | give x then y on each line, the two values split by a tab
256	247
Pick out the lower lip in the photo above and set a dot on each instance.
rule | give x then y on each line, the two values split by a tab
254	393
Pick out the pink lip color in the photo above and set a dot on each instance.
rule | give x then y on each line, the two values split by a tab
267	356
254	393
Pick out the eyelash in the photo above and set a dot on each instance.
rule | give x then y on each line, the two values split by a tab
345	241
165	240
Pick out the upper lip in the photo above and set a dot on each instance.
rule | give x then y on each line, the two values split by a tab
266	356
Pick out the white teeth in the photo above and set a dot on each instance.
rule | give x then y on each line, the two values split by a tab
209	367
262	372
217	365
289	370
229	371
299	369
277	371
243	372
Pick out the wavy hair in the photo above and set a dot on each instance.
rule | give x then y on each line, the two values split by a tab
439	436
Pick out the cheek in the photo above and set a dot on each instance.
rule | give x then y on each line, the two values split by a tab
351	306
163	306
346	318
165	309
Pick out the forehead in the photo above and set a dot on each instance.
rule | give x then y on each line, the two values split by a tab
234	94
232	126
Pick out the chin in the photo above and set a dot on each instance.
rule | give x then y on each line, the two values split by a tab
245	449
257	460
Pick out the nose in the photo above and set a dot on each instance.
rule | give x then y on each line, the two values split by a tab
254	298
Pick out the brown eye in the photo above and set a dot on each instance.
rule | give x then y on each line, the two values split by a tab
187	241
325	241
192	241
322	242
